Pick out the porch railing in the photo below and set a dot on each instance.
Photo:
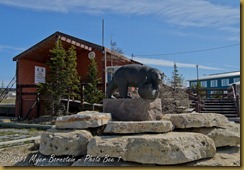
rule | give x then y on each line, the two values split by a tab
214	93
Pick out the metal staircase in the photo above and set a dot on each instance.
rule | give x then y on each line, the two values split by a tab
227	104
226	107
4	92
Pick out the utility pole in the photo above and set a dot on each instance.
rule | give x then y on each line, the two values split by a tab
105	59
197	81
103	32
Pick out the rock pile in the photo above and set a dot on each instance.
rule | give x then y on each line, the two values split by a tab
173	140
173	100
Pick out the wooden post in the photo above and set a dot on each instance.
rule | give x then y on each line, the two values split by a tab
38	104
237	105
82	95
197	106
20	101
234	89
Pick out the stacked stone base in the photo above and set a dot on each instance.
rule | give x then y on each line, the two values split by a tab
173	140
162	149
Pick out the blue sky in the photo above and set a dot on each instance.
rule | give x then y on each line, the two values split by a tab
157	33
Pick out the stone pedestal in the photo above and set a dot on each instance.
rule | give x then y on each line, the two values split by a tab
133	109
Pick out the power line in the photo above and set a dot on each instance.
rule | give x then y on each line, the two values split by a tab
185	52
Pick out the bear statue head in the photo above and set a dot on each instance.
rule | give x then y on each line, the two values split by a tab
150	90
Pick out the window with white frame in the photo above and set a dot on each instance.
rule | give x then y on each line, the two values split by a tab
237	79
203	83
225	82
214	83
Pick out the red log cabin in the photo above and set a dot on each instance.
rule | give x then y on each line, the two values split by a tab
34	59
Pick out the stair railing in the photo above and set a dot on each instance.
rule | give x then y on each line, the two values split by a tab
232	93
5	91
236	99
199	103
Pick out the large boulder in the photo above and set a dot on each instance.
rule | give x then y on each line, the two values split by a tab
133	109
138	126
235	127
64	142
228	135
225	156
164	149
83	120
190	120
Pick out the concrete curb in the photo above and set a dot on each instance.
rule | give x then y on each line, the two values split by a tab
24	125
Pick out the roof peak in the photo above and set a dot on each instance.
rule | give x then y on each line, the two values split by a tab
54	36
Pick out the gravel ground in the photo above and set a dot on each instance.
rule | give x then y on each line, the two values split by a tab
16	155
43	120
24	155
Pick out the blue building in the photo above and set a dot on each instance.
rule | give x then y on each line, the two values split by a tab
216	81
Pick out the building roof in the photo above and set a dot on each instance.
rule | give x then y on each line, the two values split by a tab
219	75
44	45
38	51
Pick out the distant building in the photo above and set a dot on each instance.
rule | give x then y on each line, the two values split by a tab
217	81
32	68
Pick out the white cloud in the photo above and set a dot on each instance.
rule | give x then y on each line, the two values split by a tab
190	13
4	47
167	63
232	66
